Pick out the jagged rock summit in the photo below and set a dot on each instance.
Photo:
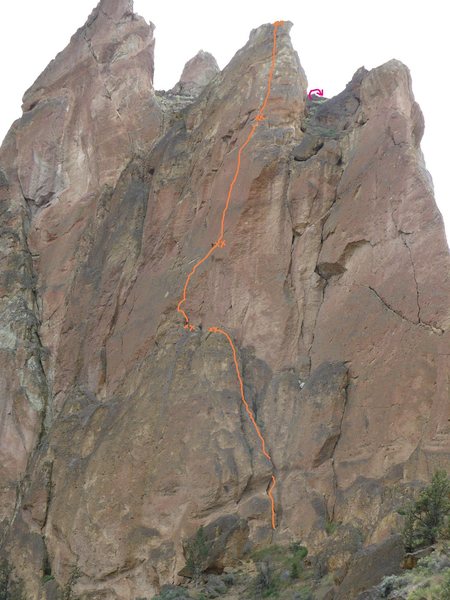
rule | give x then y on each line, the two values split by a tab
122	433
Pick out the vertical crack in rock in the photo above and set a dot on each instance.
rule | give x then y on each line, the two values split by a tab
108	94
37	344
317	313
285	195
49	489
331	514
91	49
288	277
414	275
333	451
323	219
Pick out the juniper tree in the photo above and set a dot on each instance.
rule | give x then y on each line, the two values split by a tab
426	517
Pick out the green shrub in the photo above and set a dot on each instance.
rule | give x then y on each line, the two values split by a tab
330	527
173	592
10	588
435	562
4	579
300	552
426	517
409	529
444	591
267	582
196	551
269	552
432	507
304	594
295	571
75	574
423	593
389	584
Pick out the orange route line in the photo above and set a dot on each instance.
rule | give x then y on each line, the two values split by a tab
250	414
220	243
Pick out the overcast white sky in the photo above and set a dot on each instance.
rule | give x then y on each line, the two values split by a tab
332	38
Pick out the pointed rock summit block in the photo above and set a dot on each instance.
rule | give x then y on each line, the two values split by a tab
115	10
98	92
197	73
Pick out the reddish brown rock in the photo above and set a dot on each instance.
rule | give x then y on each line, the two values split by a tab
334	285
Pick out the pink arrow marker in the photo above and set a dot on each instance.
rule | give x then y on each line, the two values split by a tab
314	91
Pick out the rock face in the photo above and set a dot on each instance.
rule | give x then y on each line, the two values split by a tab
121	432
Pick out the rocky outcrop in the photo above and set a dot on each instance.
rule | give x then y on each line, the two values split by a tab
197	73
122	433
370	565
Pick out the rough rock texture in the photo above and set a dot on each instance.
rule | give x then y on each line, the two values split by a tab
370	565
197	73
121	433
225	540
